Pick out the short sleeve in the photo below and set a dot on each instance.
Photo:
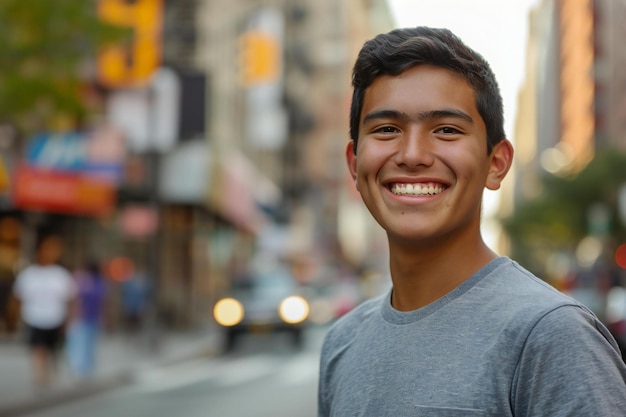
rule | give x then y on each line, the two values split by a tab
569	366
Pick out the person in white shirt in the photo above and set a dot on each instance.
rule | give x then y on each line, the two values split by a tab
46	291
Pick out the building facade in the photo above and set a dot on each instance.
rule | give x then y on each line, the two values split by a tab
571	109
232	119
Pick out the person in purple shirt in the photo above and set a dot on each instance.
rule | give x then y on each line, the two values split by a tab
85	328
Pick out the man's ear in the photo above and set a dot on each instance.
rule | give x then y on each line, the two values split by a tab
500	162
351	160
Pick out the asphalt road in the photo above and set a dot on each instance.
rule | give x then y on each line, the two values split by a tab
264	377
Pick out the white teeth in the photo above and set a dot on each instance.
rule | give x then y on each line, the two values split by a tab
416	189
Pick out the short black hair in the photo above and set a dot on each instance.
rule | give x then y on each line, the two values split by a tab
395	52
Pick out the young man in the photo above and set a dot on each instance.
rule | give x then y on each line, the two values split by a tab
46	291
463	332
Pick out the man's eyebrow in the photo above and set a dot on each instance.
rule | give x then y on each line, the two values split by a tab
427	115
385	114
443	113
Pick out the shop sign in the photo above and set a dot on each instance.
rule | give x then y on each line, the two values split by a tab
99	153
62	192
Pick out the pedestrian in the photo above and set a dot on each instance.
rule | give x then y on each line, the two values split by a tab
46	292
135	298
462	331
87	321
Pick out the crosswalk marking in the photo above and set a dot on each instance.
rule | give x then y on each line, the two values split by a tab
229	372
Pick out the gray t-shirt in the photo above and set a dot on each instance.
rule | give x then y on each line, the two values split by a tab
503	343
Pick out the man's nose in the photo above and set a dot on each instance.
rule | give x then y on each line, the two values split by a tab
415	149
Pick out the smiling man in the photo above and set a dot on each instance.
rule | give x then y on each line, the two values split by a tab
463	331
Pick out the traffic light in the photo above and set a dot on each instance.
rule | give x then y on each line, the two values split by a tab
260	58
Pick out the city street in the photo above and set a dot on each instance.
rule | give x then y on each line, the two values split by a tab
264	377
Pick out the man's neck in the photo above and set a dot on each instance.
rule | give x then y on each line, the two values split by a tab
423	275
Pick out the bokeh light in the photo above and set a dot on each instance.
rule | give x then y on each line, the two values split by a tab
620	256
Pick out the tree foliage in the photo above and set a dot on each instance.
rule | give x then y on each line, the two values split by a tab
46	51
559	218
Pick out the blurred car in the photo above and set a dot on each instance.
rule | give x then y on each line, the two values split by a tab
267	300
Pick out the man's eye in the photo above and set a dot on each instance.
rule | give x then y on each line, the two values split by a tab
447	130
387	129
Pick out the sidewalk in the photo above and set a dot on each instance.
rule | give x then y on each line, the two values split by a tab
119	359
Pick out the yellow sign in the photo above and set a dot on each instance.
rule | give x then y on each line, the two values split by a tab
133	64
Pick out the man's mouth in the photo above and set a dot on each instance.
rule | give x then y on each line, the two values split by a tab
416	189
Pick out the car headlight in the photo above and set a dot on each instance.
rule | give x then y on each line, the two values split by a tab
294	309
228	312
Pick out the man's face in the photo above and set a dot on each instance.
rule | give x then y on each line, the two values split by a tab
421	163
50	251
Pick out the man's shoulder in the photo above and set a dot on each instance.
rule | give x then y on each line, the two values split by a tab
518	297
513	282
26	273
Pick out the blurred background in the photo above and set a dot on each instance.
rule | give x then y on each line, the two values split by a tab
194	148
